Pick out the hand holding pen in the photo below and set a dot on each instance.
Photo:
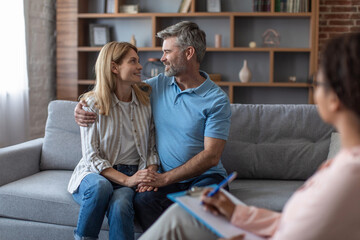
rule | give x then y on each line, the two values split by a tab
217	202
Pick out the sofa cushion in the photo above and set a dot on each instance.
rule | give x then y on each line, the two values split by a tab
62	142
269	194
276	141
42	197
335	144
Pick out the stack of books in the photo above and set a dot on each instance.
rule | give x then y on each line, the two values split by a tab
292	6
261	5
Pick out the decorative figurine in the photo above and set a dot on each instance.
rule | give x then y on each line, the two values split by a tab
252	44
218	40
271	38
292	78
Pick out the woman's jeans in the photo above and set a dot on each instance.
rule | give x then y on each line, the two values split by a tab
98	196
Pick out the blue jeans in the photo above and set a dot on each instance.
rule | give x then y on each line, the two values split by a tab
150	205
98	196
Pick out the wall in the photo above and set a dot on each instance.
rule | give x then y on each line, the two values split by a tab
40	25
336	17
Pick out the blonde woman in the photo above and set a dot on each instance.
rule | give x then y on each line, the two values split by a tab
118	149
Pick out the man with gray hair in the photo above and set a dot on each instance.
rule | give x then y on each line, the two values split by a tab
192	120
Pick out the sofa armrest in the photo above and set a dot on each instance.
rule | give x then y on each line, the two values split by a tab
19	161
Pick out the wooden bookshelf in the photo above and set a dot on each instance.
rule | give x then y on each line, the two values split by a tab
75	56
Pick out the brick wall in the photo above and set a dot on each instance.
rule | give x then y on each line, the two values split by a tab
336	17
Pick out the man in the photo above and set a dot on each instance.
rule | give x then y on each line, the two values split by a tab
192	121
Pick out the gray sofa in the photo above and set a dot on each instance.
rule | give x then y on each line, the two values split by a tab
274	148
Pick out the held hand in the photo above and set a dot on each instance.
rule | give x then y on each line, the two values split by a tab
238	237
159	182
146	188
219	204
142	176
82	117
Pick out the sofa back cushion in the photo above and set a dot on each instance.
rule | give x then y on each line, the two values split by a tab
276	141
62	144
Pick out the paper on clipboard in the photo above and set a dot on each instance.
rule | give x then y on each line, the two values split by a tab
218	224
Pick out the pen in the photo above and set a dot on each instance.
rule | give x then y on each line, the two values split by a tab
222	184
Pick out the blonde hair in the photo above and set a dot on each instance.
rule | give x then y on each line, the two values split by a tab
106	82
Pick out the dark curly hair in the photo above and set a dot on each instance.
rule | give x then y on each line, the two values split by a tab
340	62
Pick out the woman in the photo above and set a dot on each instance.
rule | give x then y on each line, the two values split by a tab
327	205
118	149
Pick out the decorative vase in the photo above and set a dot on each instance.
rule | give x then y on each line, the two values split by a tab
245	74
218	40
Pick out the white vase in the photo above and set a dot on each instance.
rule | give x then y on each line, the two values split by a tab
245	74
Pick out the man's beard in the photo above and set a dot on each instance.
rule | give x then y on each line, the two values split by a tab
173	71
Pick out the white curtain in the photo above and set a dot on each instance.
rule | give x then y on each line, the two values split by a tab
14	90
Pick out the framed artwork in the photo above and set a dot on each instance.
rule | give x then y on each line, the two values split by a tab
99	34
213	5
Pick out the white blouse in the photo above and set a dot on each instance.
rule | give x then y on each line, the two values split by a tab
101	141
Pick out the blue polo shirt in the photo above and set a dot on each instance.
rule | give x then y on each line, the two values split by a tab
183	118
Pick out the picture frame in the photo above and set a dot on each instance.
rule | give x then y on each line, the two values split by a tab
99	34
213	5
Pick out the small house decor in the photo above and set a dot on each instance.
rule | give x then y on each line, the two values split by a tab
271	38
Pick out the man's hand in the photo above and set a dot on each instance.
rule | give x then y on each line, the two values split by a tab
219	204
238	237
145	176
146	188
161	180
82	117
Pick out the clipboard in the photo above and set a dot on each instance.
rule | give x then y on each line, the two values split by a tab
217	224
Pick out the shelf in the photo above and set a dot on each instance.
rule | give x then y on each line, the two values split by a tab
195	14
271	67
231	84
97	49
86	82
212	49
263	84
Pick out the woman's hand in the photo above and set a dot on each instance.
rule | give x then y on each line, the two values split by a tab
146	188
219	204
141	176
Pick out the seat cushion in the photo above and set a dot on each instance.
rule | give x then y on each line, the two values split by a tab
41	197
269	194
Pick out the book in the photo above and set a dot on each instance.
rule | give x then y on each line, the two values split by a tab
277	6
110	6
218	224
129	8
283	6
184	6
